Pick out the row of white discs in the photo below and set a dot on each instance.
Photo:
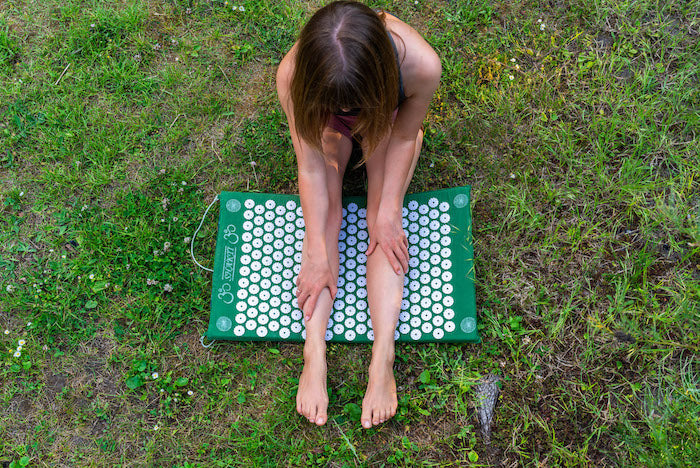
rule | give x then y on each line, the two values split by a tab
270	260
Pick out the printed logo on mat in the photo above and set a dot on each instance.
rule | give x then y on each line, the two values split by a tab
228	272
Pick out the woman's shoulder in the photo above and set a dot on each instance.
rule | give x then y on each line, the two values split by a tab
420	64
286	65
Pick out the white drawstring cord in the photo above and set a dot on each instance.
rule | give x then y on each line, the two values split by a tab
216	198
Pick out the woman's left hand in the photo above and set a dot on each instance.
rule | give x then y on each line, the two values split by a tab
388	233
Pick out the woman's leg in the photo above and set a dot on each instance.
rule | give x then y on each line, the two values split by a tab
384	291
312	396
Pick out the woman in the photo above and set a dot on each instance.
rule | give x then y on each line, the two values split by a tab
355	76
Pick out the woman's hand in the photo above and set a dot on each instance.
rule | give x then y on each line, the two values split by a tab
314	277
388	233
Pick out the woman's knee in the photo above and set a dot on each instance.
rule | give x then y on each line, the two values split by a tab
335	145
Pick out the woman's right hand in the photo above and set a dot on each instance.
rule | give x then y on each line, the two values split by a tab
314	277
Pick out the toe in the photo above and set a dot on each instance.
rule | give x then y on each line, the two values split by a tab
375	417
312	414
366	417
321	417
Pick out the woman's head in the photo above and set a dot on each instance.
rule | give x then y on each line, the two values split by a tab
345	60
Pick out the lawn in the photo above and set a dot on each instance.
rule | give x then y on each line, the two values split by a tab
575	122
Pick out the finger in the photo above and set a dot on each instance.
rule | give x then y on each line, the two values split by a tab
333	289
404	258
395	265
310	305
301	301
370	249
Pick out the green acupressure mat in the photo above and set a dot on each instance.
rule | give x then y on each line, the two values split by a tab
258	255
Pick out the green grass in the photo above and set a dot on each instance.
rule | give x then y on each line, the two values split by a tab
576	124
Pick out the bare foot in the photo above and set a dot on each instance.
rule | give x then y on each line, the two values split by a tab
380	400
312	396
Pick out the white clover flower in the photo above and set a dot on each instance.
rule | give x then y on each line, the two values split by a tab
168	288
9	288
184	183
154	375
253	163
188	11
187	240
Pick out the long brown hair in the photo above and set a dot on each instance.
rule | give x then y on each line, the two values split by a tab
345	60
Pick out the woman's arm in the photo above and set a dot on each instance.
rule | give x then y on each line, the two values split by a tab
313	191
422	76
